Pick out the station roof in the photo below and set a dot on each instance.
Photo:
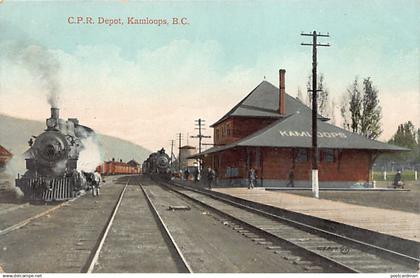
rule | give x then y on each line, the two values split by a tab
263	101
295	131
133	162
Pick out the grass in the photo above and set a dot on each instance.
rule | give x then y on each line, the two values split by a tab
407	175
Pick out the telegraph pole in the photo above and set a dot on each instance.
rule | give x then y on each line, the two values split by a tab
179	151
314	44
172	150
200	136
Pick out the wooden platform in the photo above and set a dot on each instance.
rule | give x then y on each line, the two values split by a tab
392	222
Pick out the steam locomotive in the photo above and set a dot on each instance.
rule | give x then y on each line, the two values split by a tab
157	165
51	161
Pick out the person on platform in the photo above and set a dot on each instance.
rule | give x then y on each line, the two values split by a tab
186	174
291	182
211	176
252	178
196	173
398	180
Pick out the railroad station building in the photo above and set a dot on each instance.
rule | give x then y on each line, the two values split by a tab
271	131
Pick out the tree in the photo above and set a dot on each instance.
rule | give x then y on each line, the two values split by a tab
406	136
299	95
418	147
332	112
345	111
370	124
322	97
355	106
360	109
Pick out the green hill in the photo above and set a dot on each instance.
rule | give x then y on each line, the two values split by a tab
15	133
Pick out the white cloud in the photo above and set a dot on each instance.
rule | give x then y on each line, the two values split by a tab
160	92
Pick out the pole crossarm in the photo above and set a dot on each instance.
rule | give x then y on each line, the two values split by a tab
318	44
315	34
200	123
318	90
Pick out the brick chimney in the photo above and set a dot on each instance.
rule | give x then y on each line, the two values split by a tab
282	92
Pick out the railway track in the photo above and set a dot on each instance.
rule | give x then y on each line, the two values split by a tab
209	245
62	235
180	257
107	256
27	209
27	213
325	248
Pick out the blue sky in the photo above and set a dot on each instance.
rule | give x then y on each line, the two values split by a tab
202	69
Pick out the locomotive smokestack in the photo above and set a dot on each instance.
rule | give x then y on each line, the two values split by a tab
55	113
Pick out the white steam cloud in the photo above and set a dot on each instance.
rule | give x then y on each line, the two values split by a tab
8	175
90	156
40	62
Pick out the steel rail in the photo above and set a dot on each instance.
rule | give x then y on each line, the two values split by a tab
408	260
320	257
161	223
94	256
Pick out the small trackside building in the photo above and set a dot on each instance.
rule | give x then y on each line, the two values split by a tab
5	156
271	132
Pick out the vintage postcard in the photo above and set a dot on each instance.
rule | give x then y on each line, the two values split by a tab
209	137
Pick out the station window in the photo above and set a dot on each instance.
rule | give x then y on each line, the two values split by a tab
301	155
327	155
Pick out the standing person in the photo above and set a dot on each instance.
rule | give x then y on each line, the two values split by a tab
196	172
187	174
291	178
96	183
252	178
211	174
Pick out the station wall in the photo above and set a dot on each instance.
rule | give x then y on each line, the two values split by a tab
274	164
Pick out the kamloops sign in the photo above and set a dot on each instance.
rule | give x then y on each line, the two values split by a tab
321	134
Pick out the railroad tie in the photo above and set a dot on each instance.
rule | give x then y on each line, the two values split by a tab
250	235
300	262
291	257
313	268
265	243
273	247
283	252
179	208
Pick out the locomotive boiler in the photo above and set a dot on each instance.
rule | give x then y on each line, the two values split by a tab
51	161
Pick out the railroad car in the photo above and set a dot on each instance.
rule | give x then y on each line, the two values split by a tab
51	161
117	168
157	164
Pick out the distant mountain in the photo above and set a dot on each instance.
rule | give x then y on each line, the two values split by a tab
15	133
